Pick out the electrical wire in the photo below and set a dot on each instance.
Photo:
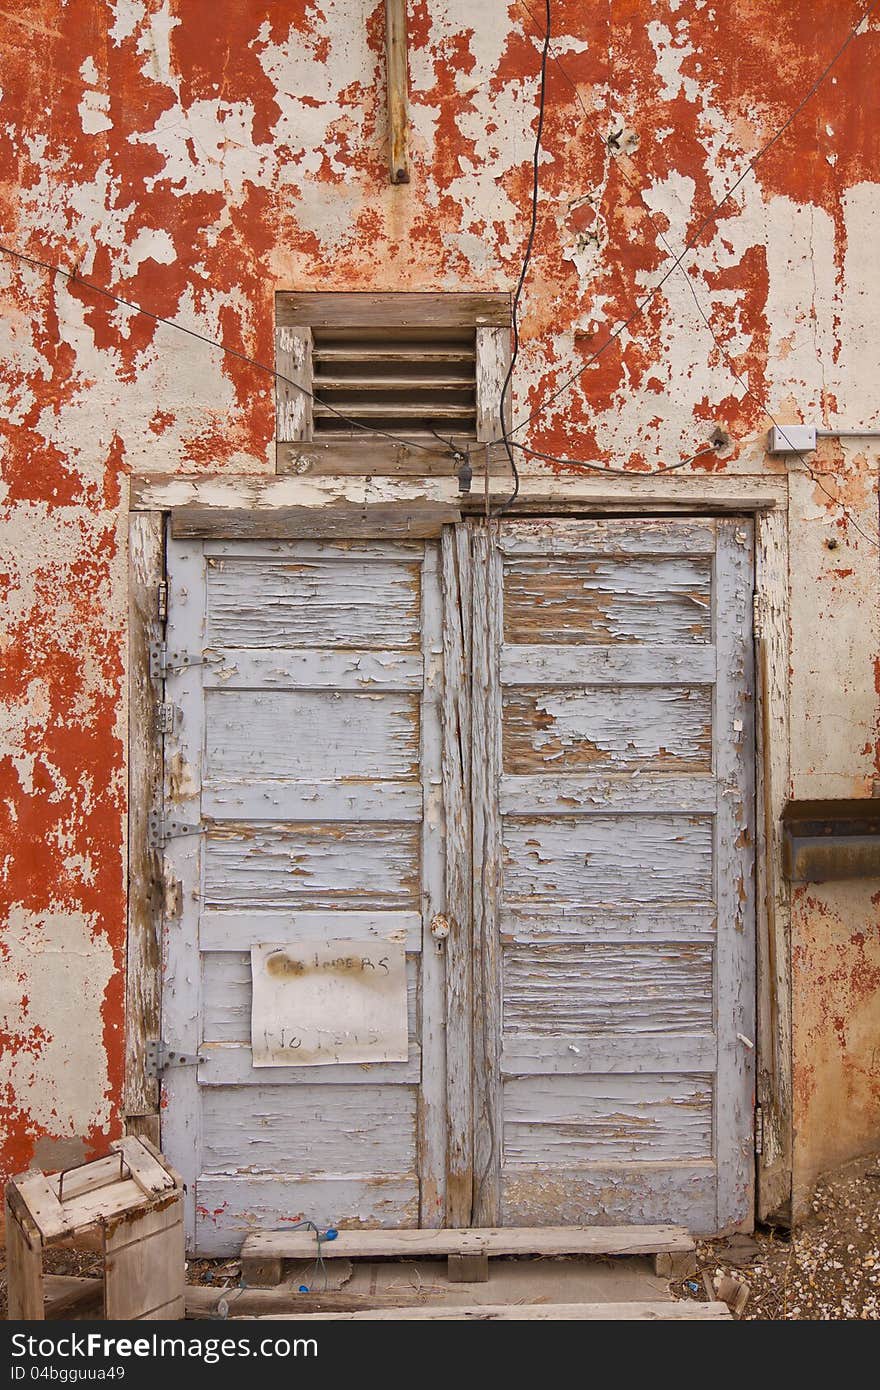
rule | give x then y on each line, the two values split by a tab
695	236
616	156
617	472
74	275
536	159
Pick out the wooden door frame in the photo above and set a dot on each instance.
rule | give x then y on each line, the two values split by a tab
763	499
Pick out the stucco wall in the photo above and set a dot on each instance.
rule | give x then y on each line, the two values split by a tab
196	156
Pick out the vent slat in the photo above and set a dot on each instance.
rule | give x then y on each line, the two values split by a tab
365	410
404	354
392	383
403	380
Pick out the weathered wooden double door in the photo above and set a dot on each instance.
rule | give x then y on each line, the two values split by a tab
526	749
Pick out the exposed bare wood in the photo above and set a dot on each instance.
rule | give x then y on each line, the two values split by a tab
132	1202
683	1310
144	1265
431	1103
371	310
774	1093
457	635
494	1241
486	868
377	458
437	381
440	409
679	1264
262	1273
493	360
144	1127
408	353
202	1302
539	494
293	385
468	1269
397	79
71	1297
149	1174
412	521
143	975
66	1203
24	1267
621	636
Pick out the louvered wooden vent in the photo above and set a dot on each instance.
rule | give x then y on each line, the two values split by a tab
411	382
405	365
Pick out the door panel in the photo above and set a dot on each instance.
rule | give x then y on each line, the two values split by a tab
613	873
579	810
305	760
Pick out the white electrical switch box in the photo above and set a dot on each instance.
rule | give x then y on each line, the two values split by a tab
791	439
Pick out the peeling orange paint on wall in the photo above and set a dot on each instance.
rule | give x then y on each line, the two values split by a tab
195	157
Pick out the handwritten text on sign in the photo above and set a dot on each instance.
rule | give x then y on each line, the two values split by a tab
343	1001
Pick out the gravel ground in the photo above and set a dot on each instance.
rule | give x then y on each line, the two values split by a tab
829	1269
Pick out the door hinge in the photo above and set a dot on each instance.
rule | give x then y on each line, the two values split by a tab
165	717
159	1056
759	613
162	601
169	663
162	828
759	1130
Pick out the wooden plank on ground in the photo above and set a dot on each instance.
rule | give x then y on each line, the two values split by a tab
72	1297
683	1309
408	521
202	1301
512	1240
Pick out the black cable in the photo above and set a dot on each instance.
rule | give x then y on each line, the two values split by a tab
536	159
211	342
761	403
694	238
618	472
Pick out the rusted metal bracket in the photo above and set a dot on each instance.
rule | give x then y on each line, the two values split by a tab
162	828
831	840
165	717
159	1056
165	663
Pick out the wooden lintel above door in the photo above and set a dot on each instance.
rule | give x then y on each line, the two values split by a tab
416	520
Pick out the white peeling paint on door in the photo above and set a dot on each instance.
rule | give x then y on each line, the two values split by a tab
306	753
615	1082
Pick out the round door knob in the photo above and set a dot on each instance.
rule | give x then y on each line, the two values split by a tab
439	927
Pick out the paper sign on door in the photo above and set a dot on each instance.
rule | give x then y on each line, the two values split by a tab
341	1001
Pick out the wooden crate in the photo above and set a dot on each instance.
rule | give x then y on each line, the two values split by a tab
130	1203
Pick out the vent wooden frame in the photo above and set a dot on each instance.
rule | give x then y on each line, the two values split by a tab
405	363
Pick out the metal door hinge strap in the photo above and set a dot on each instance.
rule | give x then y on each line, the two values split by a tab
168	663
165	717
159	1056
161	829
